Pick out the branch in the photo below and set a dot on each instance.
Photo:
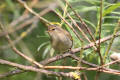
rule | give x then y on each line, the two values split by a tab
18	52
23	18
67	54
31	11
31	68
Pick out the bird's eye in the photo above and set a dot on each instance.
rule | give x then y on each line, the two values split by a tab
53	29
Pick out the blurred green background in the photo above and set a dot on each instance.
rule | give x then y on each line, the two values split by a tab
37	45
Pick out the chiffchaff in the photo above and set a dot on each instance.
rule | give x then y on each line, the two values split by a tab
61	40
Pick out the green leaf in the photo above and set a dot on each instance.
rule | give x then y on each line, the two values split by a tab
111	8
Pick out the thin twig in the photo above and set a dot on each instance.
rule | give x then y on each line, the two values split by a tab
113	62
33	3
99	45
112	39
80	29
100	25
11	27
82	22
84	76
64	14
22	35
18	52
31	68
33	12
76	50
68	25
10	73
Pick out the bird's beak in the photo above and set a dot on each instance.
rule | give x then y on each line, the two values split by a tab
47	31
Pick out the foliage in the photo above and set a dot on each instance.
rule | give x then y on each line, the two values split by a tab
36	43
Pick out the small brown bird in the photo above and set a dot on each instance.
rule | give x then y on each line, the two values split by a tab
61	40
